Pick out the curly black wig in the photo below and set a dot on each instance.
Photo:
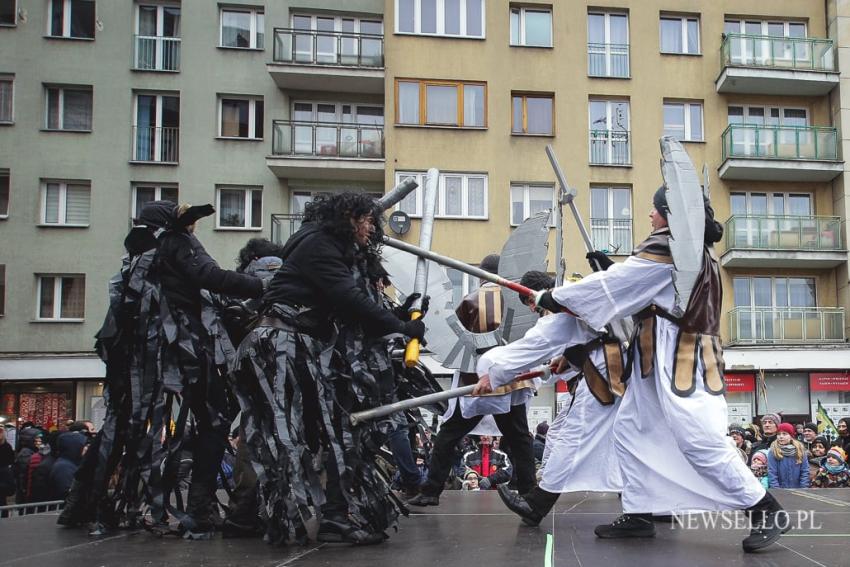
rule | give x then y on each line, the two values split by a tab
334	213
257	248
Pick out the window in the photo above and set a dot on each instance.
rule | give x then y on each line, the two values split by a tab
157	46
68	108
608	44
774	308
528	199
144	193
533	114
333	129
7	92
334	40
2	289
441	103
71	18
8	13
531	27
779	204
4	193
761	46
611	219
240	117
242	29
239	208
156	128
768	116
65	203
462	284
455	18
680	34
609	132
460	195
61	297
683	120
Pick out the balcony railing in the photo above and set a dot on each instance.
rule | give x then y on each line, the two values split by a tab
780	142
610	147
284	225
310	47
752	232
156	53
796	53
608	60
156	144
612	236
327	139
786	325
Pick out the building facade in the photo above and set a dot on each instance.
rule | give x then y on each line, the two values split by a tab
259	106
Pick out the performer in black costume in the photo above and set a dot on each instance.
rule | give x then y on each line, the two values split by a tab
160	354
297	390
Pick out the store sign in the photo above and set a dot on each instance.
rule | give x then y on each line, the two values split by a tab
740	382
829	381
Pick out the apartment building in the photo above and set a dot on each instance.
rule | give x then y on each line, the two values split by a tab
259	106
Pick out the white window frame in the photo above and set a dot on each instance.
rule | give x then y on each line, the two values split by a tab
157	123
66	21
522	10
61	109
249	190
157	195
252	115
441	21
751	281
5	172
609	56
8	78
253	11
687	117
420	177
683	28
767	108
15	15
57	297
526	190
468	283
609	218
609	122
160	38
338	18
338	114
770	196
742	25
62	220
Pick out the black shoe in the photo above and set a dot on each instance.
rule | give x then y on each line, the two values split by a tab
408	493
338	530
74	512
519	506
233	529
769	521
627	525
423	499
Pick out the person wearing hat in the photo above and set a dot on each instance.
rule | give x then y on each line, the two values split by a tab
833	473
758	464
817	455
810	432
787	466
769	424
540	441
737	433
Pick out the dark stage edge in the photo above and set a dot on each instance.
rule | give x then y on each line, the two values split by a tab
467	529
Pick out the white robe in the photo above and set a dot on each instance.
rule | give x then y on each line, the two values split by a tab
579	453
672	450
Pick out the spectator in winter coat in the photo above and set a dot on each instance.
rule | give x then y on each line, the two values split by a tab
817	455
540	441
786	463
843	440
810	432
492	465
7	460
833	473
738	436
759	466
40	478
769	424
69	449
29	440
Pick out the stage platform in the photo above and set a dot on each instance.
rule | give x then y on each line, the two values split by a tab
467	529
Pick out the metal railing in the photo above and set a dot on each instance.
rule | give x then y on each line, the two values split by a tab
786	325
798	53
156	144
780	142
284	226
154	53
763	232
612	236
608	60
28	508
310	47
610	147
327	139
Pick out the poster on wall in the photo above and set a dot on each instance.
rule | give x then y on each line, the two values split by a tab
739	414
538	414
97	411
48	410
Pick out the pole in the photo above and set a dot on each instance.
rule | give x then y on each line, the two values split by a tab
397	193
569	196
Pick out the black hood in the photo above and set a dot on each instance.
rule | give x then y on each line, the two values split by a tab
26	438
158	214
70	446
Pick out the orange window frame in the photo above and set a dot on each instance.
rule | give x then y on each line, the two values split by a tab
423	101
525	97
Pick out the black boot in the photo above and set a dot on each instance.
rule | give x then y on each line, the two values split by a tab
337	529
428	496
532	507
74	512
197	524
769	521
627	525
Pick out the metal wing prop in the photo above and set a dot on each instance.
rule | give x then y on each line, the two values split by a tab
526	249
686	218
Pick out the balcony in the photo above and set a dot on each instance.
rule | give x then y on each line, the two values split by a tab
327	150
284	226
786	325
780	153
328	61
152	53
608	60
612	236
757	64
783	242
610	147
153	144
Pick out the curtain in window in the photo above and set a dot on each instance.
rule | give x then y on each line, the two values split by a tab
232	207
452	14
5	101
538	28
671	35
801	292
477	204
147	21
4	193
45	303
473	17
693	36
256	209
539	112
408	103
236	29
144	195
234	118
428	19
453	195
406	16
441	104
57	17
73	298
77	110
51	203
171	22
78	204
517	201
53	108
674	120
473	105
82	18
539	199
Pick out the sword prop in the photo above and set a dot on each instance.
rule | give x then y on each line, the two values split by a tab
374	413
397	193
420	281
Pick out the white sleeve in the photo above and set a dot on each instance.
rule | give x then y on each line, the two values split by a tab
619	292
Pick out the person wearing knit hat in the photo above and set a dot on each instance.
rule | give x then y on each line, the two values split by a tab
769	424
817	455
833	473
741	443
758	465
786	464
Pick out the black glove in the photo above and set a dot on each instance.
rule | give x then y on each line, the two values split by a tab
548	303
414	329
601	258
403	311
193	214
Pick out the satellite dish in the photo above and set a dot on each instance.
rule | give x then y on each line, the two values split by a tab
399	222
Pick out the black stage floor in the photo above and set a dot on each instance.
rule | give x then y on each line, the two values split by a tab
468	529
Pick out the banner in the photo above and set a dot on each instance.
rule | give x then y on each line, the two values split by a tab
740	382
829	381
